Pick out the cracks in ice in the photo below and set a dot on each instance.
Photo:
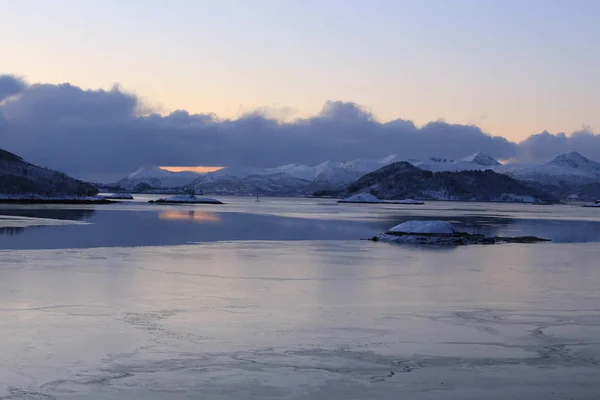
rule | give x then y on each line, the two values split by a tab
150	322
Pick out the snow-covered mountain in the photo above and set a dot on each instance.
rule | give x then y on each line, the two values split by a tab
288	179
567	169
292	179
474	162
156	177
482	159
275	184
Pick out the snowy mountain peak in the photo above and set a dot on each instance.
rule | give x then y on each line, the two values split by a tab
574	160
157	177
481	159
147	171
569	168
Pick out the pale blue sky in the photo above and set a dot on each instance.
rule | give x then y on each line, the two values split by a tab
512	67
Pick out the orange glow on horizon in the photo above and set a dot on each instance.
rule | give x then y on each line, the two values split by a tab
200	169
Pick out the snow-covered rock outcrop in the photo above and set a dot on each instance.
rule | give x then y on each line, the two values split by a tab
442	233
186	199
438	227
119	196
594	204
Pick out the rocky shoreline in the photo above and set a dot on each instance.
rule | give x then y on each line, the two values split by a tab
453	239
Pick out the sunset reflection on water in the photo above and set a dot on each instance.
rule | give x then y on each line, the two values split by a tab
191	215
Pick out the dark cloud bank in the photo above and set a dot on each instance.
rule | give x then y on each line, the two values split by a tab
101	134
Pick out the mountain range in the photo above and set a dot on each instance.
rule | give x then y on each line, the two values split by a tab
290	179
569	174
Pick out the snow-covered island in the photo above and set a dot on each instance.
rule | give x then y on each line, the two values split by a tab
443	233
594	204
118	196
186	199
369	198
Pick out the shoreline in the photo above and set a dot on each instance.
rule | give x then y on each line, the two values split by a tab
57	201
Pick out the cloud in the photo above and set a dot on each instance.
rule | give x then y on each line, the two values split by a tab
543	146
48	103
105	134
10	86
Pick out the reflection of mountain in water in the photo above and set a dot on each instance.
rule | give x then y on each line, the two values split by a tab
49	213
11	231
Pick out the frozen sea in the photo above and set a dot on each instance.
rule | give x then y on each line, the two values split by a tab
281	299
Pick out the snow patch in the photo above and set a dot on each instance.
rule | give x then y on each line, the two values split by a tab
437	227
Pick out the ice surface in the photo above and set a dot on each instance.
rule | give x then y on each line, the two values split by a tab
309	320
424	227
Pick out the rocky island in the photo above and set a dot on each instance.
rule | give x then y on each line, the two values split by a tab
443	233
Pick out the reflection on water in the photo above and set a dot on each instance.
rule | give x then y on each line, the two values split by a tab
11	231
45	213
301	320
192	215
51	213
162	226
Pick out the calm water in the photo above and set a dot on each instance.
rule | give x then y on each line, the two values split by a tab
139	224
279	299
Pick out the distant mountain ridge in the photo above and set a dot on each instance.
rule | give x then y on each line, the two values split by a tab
569	168
560	177
290	179
156	177
19	178
475	162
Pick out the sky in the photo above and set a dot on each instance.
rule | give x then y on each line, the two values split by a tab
510	68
